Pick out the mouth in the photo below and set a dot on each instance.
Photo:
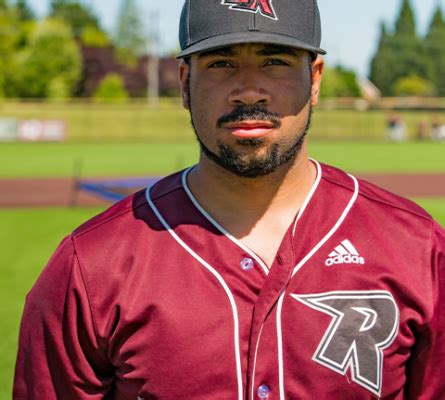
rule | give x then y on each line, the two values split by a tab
250	129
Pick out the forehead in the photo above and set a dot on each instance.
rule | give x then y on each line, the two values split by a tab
259	49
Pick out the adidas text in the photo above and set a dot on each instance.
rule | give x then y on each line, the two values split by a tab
345	259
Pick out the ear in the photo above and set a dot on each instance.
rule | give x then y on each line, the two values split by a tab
317	72
184	73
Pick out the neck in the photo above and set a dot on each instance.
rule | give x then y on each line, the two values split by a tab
222	192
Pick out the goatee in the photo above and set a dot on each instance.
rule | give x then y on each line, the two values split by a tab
233	161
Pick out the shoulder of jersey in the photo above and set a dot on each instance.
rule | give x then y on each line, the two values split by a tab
369	191
128	207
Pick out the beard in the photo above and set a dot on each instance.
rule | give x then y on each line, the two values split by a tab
235	160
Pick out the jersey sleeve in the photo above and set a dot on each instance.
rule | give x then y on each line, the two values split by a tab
59	355
427	368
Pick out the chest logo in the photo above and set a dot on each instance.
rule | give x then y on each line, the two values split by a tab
264	7
363	325
344	253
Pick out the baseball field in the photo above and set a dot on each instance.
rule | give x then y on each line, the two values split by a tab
29	234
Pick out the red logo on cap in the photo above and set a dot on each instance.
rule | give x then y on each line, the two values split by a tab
264	7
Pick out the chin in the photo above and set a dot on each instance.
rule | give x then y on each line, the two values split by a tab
254	143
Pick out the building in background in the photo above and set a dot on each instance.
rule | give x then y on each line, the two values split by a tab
98	62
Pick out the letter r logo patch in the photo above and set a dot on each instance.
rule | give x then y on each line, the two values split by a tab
264	7
363	325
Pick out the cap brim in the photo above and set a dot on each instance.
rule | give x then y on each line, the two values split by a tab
229	39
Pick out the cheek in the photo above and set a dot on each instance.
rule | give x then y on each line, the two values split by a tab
291	95
208	104
296	122
290	102
205	114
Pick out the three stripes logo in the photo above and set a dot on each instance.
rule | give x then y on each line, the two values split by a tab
344	253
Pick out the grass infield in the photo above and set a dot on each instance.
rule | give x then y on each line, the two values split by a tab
142	159
28	238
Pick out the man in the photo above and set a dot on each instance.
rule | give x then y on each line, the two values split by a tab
258	273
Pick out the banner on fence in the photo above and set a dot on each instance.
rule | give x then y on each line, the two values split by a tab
8	129
35	130
32	130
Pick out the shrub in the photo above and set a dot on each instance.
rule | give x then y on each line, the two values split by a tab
111	90
413	86
58	90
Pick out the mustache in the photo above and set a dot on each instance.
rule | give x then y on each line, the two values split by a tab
254	113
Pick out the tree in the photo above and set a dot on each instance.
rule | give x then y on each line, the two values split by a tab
412	58
75	14
381	63
330	83
130	37
94	37
401	54
52	54
9	39
435	47
339	82
405	24
437	25
26	19
25	13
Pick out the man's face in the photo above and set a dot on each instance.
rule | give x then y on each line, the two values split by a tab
251	104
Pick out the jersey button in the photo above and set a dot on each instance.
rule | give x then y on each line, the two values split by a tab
263	392
247	264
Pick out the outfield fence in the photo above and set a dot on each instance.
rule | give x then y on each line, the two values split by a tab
136	120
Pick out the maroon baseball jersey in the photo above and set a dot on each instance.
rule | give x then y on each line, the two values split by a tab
154	300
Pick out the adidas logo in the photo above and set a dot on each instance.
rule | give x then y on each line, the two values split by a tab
344	253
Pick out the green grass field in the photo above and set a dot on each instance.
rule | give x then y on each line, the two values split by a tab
436	207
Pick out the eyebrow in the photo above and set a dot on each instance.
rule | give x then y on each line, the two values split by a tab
267	50
274	50
223	52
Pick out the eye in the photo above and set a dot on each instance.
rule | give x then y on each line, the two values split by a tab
220	64
276	62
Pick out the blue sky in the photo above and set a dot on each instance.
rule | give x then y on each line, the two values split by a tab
350	27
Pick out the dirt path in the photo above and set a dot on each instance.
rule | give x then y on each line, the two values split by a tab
44	193
410	185
64	192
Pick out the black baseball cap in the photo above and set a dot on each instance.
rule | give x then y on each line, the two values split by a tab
211	24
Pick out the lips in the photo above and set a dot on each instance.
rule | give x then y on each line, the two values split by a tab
250	129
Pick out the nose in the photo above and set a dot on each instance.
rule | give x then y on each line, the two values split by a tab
249	90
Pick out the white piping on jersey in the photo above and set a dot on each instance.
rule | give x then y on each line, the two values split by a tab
221	282
296	269
218	226
300	213
254	361
310	194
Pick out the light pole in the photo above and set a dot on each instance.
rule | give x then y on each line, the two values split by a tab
153	61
